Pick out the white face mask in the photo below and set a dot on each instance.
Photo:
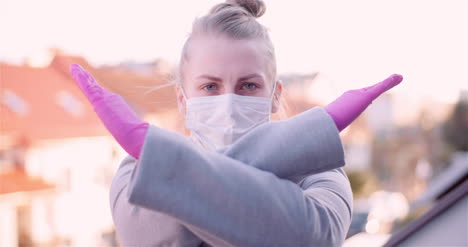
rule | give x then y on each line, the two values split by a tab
217	121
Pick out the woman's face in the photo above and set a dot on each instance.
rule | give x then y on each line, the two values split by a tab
218	65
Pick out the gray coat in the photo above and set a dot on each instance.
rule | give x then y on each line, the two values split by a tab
280	185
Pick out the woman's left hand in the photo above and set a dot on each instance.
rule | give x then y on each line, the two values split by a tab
346	108
120	120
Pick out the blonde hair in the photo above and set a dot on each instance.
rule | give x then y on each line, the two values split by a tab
235	19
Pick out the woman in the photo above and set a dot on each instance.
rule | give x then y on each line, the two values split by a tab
241	180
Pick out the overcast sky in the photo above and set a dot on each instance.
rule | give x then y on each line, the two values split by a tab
351	43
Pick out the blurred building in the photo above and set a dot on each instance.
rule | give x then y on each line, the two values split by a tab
44	108
57	159
21	197
295	97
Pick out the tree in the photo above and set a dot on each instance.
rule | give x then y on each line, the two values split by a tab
456	128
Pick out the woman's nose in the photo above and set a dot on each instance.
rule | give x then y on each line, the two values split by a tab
229	89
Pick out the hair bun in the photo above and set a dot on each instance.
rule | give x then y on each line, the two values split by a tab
255	7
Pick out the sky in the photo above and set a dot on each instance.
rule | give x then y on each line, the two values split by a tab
350	43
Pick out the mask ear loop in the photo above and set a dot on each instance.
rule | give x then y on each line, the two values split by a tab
272	96
181	88
183	92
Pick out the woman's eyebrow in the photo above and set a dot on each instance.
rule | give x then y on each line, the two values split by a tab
250	76
214	78
209	77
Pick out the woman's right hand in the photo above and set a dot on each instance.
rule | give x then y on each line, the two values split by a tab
346	108
120	120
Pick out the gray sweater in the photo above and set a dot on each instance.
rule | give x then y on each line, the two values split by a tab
279	185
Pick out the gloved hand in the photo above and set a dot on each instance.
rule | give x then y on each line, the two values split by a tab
353	102
120	120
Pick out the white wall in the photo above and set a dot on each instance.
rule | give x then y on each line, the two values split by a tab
8	226
82	169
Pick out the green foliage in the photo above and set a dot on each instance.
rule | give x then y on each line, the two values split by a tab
363	183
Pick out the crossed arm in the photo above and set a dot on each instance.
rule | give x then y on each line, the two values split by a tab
227	203
305	144
309	150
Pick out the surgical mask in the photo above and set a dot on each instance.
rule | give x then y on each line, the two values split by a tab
217	121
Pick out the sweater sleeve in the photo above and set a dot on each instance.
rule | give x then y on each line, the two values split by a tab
237	204
137	226
305	144
328	202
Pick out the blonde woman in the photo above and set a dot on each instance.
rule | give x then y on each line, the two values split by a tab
240	179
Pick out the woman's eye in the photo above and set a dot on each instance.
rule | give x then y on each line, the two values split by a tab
210	87
249	86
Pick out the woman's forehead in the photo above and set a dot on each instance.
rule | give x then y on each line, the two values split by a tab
216	55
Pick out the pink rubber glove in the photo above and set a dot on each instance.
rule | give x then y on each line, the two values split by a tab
353	102
120	120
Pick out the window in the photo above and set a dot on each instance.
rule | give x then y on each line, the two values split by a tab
15	103
69	103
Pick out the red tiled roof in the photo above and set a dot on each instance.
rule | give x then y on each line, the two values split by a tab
132	88
62	64
17	181
40	89
129	85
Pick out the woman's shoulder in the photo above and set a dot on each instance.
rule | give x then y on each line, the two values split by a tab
125	168
121	178
127	159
